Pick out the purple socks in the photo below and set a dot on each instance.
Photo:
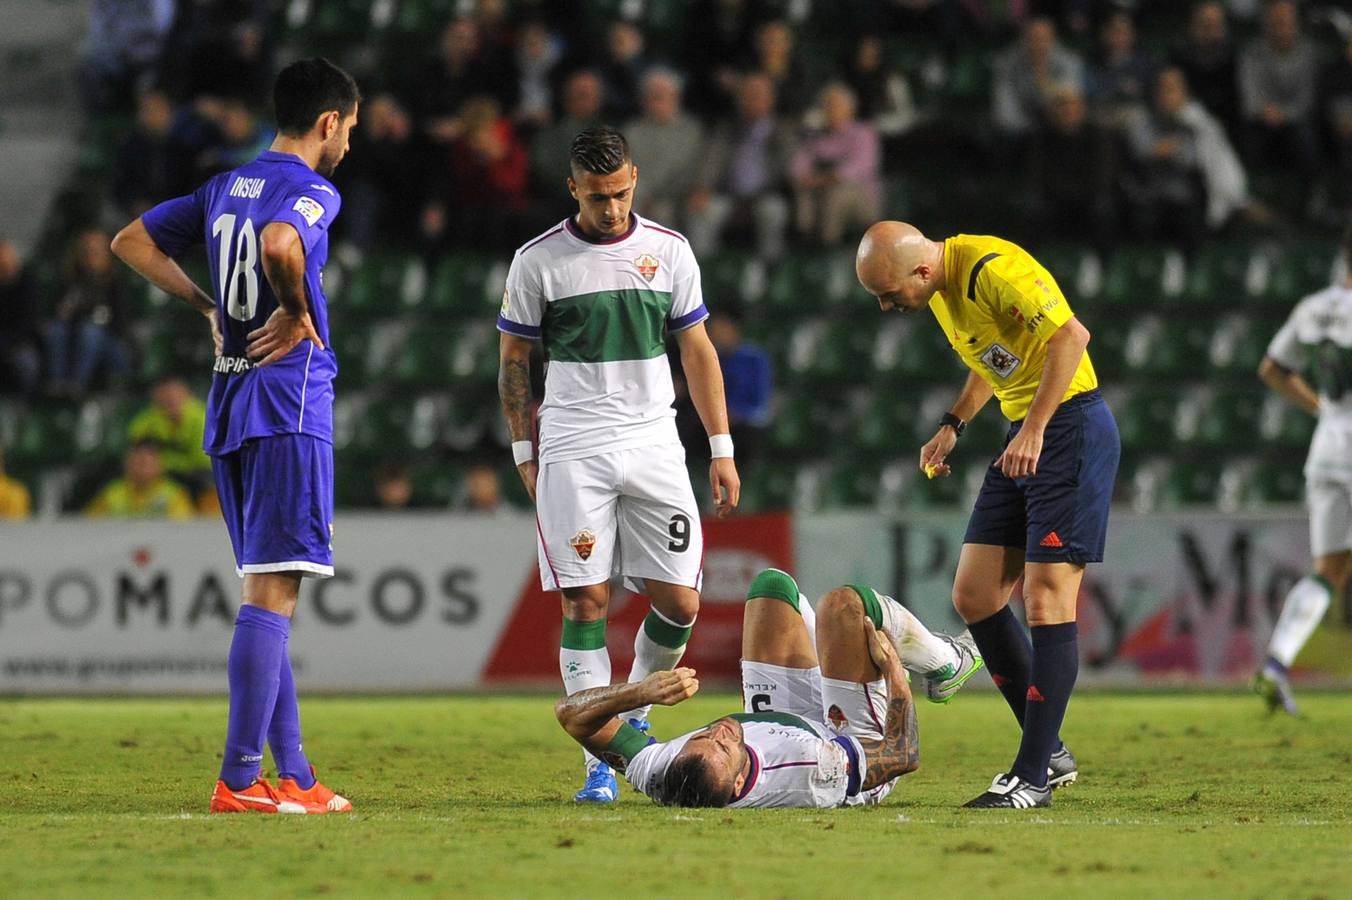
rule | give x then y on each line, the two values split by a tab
256	655
284	730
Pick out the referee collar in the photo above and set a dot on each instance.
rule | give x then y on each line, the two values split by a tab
577	232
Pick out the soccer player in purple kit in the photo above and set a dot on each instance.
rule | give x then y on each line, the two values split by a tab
270	411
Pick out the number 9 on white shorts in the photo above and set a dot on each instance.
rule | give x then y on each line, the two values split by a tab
630	513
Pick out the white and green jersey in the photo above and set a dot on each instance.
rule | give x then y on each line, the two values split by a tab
1317	342
603	310
794	762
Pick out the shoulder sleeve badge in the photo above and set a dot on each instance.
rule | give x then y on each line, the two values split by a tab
309	210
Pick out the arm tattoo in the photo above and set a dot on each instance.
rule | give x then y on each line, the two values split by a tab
899	750
514	391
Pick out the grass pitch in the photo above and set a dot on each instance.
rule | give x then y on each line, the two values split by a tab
1180	795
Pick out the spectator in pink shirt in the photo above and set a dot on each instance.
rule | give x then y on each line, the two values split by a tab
836	173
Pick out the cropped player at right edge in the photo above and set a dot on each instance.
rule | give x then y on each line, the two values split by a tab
1316	341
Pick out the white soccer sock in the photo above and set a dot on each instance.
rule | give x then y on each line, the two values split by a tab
920	649
1305	605
809	619
651	656
582	669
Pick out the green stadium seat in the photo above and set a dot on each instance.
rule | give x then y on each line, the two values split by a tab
425	358
1180	347
1192	484
1286	429
888	426
1146	421
922	356
1279	481
354	486
376	287
48	435
460	283
769	486
383	428
943	493
352	347
1219	276
842	355
721	276
1302	270
804	426
812	282
1232	420
436	485
850	485
1135	278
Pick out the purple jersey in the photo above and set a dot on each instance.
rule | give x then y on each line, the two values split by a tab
295	394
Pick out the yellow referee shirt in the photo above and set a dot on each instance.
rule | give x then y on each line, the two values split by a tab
998	308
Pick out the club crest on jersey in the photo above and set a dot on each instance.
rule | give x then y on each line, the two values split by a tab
1000	361
836	716
582	543
504	301
647	266
309	210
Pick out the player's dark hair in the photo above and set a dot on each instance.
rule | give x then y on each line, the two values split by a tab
690	782
600	150
307	89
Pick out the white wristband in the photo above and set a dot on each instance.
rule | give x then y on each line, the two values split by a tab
720	446
523	451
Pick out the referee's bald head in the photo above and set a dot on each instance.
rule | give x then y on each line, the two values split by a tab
899	265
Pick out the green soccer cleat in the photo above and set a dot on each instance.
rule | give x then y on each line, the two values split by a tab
941	686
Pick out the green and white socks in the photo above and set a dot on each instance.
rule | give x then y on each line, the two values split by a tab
583	660
659	645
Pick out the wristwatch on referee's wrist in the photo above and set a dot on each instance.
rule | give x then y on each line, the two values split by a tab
952	421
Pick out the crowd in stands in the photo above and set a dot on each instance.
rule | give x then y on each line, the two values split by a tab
744	134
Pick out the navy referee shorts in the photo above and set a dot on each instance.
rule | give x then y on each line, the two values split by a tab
1059	514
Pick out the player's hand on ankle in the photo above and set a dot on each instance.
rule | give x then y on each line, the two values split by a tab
281	334
670	687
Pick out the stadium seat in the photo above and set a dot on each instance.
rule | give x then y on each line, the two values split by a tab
769	486
1279	481
1135	278
1302	270
1146	422
887	426
1232	419
1173	348
721	279
425	358
48	435
850	485
352	347
812	282
1192	484
375	288
841	355
460	283
383	428
804	426
1220	276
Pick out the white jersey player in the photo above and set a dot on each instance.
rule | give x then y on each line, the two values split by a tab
1315	345
829	720
602	291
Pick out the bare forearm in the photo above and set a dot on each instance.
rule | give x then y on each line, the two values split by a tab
286	274
899	750
586	713
1291	387
514	392
134	246
1064	352
975	394
705	380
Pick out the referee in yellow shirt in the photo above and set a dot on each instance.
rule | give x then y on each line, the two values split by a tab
1043	509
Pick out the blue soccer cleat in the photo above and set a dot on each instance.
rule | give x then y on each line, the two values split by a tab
601	786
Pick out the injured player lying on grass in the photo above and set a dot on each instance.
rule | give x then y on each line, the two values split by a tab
829	720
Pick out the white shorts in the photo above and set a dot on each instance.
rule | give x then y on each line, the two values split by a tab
629	513
844	707
1330	505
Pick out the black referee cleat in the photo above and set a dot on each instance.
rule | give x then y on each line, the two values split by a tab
1011	792
1061	769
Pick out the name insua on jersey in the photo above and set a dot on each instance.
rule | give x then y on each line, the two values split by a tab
247	188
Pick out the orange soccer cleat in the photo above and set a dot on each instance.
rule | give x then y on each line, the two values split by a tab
318	797
259	797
